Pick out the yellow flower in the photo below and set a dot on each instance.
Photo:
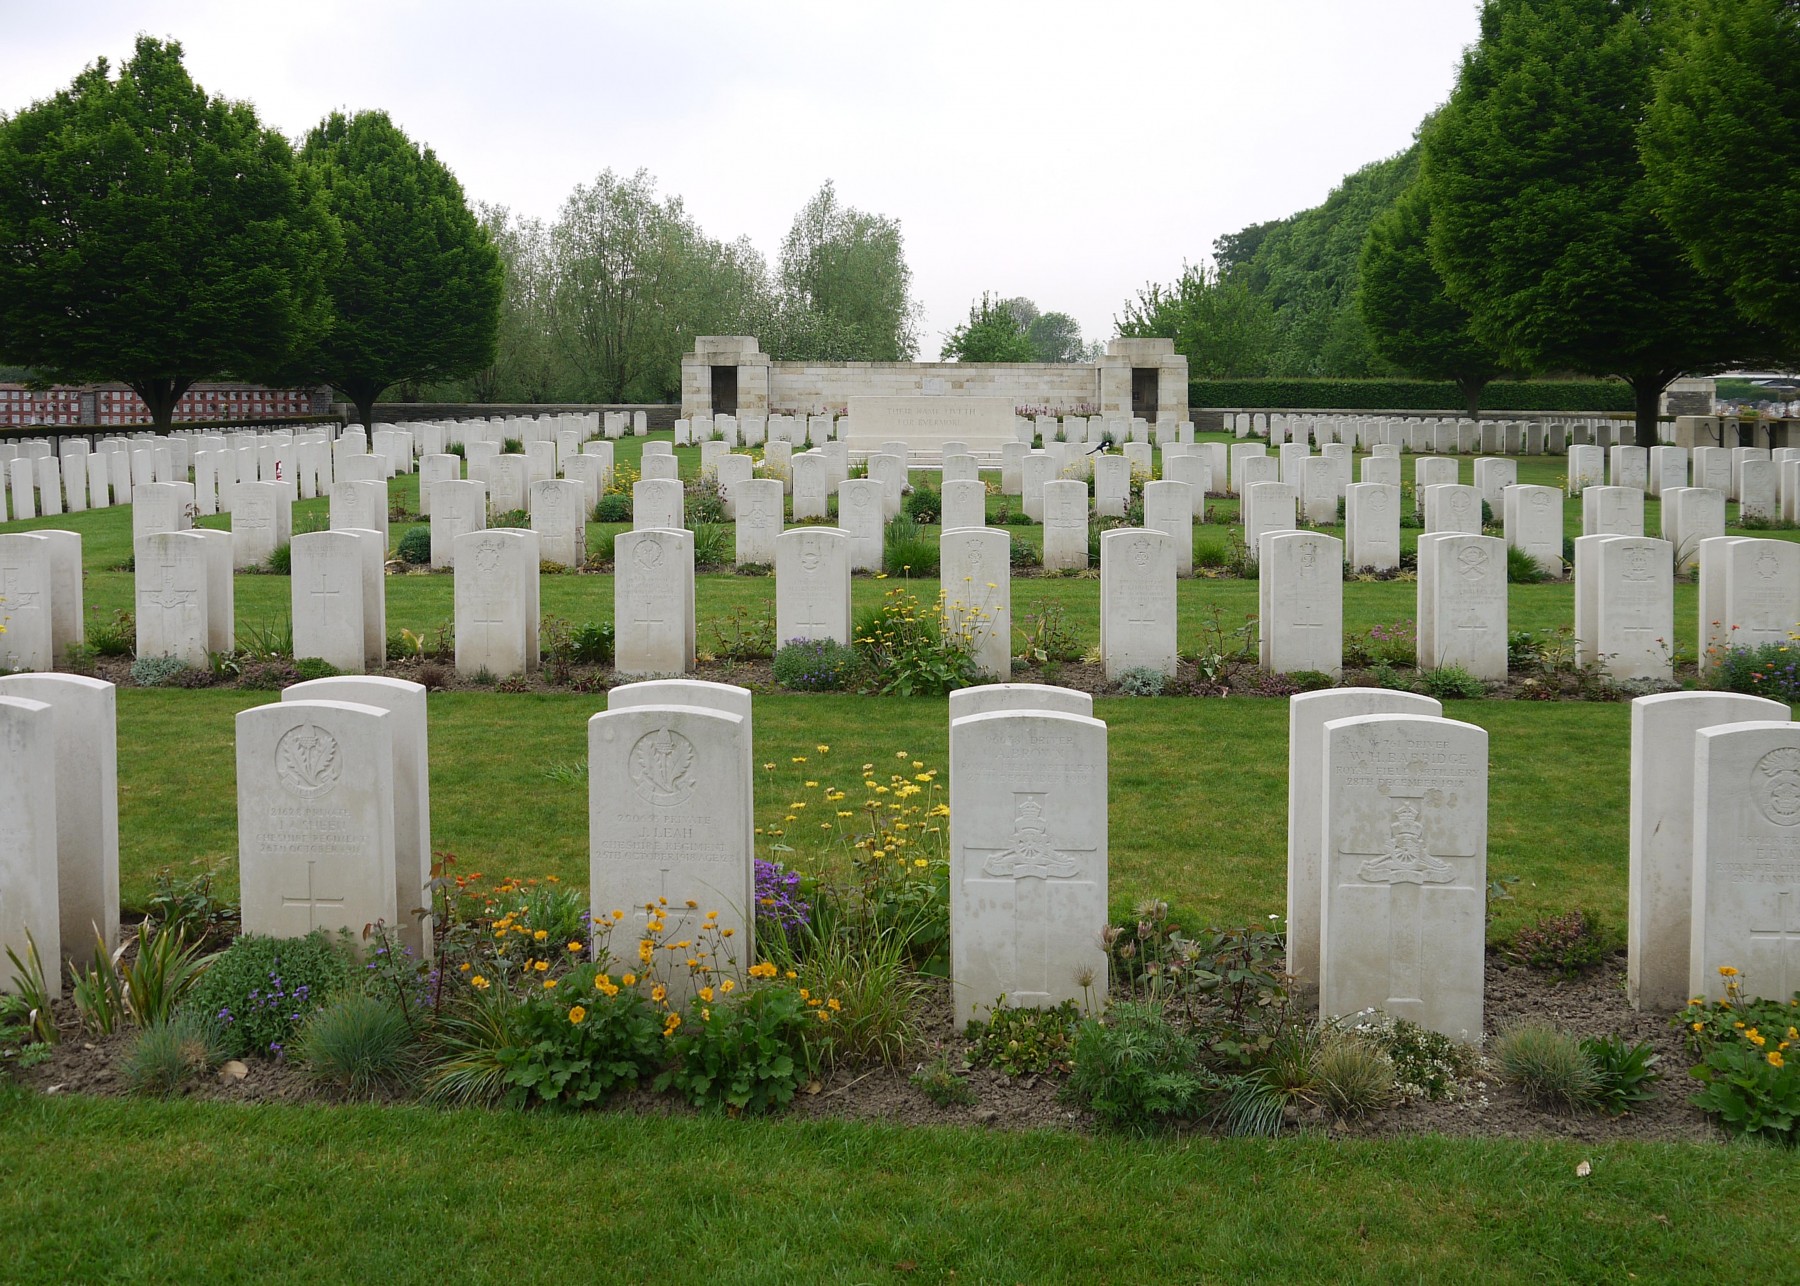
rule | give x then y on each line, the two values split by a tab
919	861
479	983
1698	1026
728	986
799	759
705	1015
659	993
804	993
540	935
901	754
791	975
578	1015
812	785
549	983
822	749
706	994
574	946
464	967
692	905
1726	971
824	1016
629	980
1775	1058
833	1004
726	933
541	966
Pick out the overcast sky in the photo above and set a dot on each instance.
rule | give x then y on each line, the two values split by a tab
1066	152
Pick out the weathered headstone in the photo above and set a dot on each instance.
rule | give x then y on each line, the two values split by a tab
1300	596
1266	507
860	515
985	698
1746	908
1169	508
84	719
975	570
1372	526
334	618
29	891
1660	904
1533	518
457	508
1612	511
172	595
1689	516
657	503
1404	839
1462	604
559	516
1625	606
812	585
1451	507
404	702
653	602
1028	860
1137	601
315	783
496	594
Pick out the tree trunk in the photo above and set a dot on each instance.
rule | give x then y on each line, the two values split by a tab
1471	391
1647	388
160	397
365	411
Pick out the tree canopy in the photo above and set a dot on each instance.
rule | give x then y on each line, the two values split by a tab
1221	326
994	332
416	292
1543	225
1411	321
847	266
1720	146
155	235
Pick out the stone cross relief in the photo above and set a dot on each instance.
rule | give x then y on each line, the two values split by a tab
166	596
312	901
1032	863
1783	939
12	591
1404	864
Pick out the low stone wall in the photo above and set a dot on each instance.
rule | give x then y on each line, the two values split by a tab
658	415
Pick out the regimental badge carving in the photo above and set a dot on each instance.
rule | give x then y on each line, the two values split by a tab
1141	550
647	554
1540	501
307	761
1031	855
1406	860
1377	501
1472	563
1309	557
1775	786
662	768
1638	565
810	554
1767	565
488	555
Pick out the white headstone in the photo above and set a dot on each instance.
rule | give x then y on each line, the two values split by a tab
988	697
812	585
315	783
657	503
1137	601
172	595
975	570
496	596
1028	859
333	617
653	602
404	702
1660	904
860	515
1404	838
1169	508
1533	519
457	508
1462	604
1625	606
559	516
29	892
1372	526
1300	595
1267	507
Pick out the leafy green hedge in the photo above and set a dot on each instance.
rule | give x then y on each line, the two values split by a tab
1411	395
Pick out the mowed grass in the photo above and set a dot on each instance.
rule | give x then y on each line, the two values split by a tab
151	1191
1198	789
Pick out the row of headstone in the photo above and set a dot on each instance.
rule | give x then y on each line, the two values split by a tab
1433	435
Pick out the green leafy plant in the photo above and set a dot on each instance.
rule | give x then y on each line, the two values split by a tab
1451	683
909	649
1136	1070
872	979
1045	636
33	992
158	977
1428	1065
1749	1065
580	1041
358	1044
262	989
1023	1042
614	506
168	1056
925	504
1394	644
99	992
703	503
1623	1073
1522	568
280	561
1354	1075
112	637
313	667
1770	670
746	1053
712	543
908	551
941	1083
744	635
190	907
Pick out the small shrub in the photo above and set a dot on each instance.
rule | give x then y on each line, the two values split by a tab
1427	1064
280	561
1047	636
1310	680
1450	683
1022	553
1771	670
911	650
1749	1061
907	551
358	1044
1142	681
168	1056
515	518
262	989
314	667
1547	1065
414	546
703	504
614	506
157	671
814	665
942	1084
750	1053
925	505
1566	945
1392	645
1137	1070
591	644
712	543
744	635
116	637
190	907
1023	1042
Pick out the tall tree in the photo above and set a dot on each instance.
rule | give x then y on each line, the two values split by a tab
1223	327
522	369
1543	225
993	333
841	263
417	290
155	235
1721	145
1411	321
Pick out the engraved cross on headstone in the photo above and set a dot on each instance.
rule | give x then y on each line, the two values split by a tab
13	596
166	596
1405	865
1031	863
312	901
1784	937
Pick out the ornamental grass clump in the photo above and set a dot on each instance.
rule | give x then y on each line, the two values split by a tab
1547	1065
168	1056
358	1044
